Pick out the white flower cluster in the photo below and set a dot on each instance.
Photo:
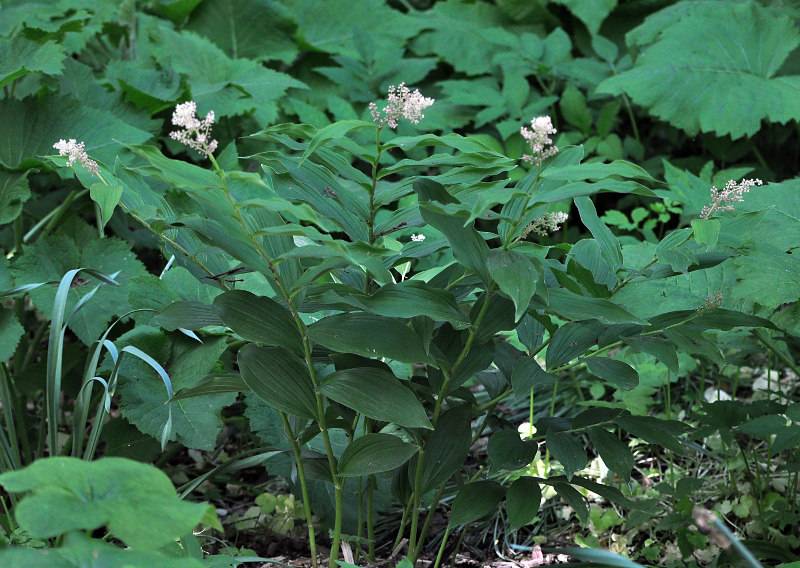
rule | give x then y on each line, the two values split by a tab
538	138
196	132
402	103
732	193
547	223
76	152
417	238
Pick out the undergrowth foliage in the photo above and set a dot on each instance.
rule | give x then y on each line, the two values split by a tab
410	320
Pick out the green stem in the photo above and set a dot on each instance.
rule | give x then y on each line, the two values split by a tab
312	541
768	343
439	554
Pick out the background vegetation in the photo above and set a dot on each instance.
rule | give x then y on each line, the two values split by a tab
262	327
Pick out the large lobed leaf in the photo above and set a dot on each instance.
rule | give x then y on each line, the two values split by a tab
713	66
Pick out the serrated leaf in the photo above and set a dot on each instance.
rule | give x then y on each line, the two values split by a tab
682	77
377	394
475	500
20	56
278	377
11	332
375	453
14	192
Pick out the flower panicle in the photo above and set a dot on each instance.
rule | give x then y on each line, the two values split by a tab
402	103
712	302
733	192
546	224
195	133
76	152
538	138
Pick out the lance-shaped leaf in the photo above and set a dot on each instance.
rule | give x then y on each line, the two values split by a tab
375	453
369	335
610	248
415	298
186	315
566	449
258	319
446	449
571	305
377	394
508	451
279	378
523	500
516	275
615	372
570	340
616	455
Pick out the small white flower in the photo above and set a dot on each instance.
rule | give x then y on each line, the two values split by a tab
547	223
732	193
196	132
76	152
402	103
539	140
417	238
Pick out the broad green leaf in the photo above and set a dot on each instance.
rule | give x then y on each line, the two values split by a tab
11	332
592	14
69	494
196	422
662	350
596	170
655	431
616	455
258	319
186	315
467	244
567	450
574	499
516	275
369	335
570	340
377	394
412	298
527	374
331	132
706	231
764	427
475	500
262	30
20	56
14	192
508	451
713	67
213	384
375	453
615	372
446	449
523	499
280	378
610	248
571	305
79	551
107	197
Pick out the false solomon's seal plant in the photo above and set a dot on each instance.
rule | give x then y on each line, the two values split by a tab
366	361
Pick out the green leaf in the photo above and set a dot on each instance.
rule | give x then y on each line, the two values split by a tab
571	305
258	319
196	422
377	394
369	335
597	170
592	14
523	500
516	275
527	374
655	431
11	331
375	453
616	455
706	231
69	494
107	197
278	377
567	450
446	449
79	551
683	77
615	372
764	427
574	499
14	192
467	244
570	340
508	451
662	350
213	384
336	130
186	315
475	500
412	298
610	248
20	56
